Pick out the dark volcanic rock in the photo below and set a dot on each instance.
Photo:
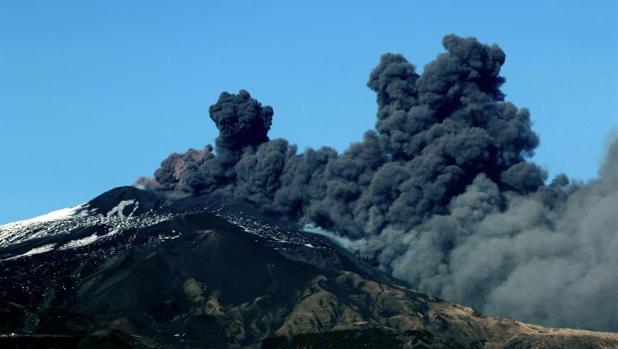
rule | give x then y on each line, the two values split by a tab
131	269
136	201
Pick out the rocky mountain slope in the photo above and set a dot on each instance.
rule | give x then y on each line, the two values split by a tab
132	269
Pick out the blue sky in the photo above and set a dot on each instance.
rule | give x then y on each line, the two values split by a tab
94	94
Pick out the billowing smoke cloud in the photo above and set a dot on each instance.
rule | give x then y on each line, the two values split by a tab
242	122
440	194
548	257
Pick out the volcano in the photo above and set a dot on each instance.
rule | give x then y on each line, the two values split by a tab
135	269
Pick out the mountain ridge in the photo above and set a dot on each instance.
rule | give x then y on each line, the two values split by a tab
132	268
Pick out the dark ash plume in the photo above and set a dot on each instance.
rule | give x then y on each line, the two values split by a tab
440	194
242	122
547	257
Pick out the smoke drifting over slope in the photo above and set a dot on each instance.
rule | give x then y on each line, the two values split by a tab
548	257
439	194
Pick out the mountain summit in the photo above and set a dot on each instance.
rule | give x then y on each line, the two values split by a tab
134	269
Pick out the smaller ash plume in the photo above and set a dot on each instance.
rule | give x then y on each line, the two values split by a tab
242	122
440	193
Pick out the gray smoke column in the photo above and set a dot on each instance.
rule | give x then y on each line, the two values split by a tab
441	193
549	257
435	133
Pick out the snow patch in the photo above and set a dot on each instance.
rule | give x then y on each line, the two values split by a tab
112	232
38	250
80	242
119	209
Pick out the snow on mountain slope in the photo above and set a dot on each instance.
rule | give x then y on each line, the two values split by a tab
62	229
60	214
35	227
121	210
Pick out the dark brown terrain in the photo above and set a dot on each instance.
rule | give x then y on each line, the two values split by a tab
130	270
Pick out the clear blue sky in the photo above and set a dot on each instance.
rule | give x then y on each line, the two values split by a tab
94	94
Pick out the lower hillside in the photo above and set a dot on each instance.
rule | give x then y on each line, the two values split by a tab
112	276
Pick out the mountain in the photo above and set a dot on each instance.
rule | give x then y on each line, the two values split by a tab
134	269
